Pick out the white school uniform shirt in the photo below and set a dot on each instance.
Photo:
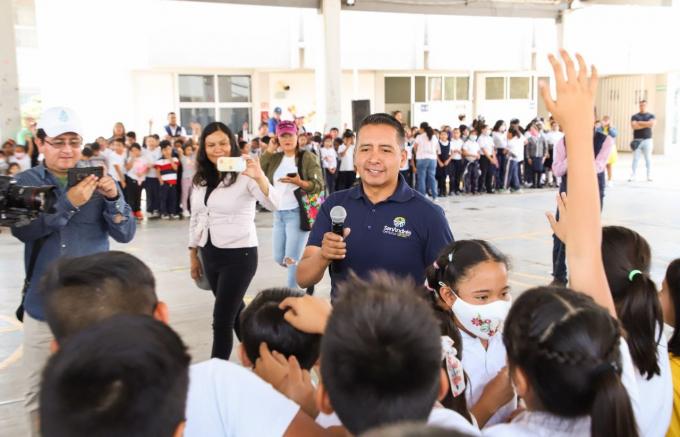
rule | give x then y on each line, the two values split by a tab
347	161
329	157
227	400
439	416
516	148
500	140
471	147
408	146
486	144
114	159
229	215
481	366
656	395
24	162
287	190
554	137
457	149
427	148
540	424
152	156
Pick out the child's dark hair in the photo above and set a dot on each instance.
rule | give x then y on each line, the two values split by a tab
135	146
165	144
131	134
177	143
127	375
118	140
568	347
672	280
456	259
381	353
263	321
635	295
87	152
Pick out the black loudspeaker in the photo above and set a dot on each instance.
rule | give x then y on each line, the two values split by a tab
360	110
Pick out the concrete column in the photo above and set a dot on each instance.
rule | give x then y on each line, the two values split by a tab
330	86
559	25
10	114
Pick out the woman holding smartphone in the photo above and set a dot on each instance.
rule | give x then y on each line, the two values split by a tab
289	170
222	226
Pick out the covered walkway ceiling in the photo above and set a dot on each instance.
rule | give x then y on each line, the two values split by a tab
490	8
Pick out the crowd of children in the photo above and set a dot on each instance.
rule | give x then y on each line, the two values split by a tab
454	356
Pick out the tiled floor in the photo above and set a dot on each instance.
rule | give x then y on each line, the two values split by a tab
515	223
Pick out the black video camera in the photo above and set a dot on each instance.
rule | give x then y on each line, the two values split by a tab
19	205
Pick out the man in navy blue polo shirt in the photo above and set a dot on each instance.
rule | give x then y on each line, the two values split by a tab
389	225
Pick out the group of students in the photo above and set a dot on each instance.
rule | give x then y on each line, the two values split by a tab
455	356
163	168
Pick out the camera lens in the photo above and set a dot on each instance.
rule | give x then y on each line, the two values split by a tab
38	199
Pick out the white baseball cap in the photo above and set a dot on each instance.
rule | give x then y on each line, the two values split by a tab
59	120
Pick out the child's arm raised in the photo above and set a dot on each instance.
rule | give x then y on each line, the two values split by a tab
574	110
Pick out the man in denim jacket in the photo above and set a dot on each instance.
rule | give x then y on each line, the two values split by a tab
84	217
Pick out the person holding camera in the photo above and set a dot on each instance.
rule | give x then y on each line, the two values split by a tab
222	227
85	215
294	172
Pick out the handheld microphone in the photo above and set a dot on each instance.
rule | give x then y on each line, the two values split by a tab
338	216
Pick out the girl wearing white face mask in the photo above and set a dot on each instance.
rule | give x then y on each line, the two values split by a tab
469	283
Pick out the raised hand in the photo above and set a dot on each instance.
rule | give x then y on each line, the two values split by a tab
575	103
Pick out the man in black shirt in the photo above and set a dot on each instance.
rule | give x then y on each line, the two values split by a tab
642	124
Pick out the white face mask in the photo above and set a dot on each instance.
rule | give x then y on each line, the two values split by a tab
483	321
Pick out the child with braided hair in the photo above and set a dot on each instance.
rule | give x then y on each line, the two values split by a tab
566	356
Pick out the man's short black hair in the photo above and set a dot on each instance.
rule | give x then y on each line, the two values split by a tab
131	134
263	321
125	376
381	353
81	291
386	119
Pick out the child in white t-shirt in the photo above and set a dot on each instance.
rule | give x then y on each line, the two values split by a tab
136	169
347	174
472	153
329	160
457	160
116	156
471	294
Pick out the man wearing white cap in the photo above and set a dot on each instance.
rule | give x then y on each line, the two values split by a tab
84	217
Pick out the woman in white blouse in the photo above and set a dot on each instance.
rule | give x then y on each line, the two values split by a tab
426	149
222	227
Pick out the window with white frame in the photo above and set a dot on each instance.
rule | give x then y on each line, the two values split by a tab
207	98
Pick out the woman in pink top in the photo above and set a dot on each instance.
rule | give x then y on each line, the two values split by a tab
222	227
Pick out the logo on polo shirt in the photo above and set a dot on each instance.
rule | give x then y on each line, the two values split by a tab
398	229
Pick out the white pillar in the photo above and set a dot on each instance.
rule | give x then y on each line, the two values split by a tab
10	114
330	86
559	25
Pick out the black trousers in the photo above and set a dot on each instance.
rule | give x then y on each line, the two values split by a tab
330	180
345	180
229	272
486	180
441	174
168	199
458	170
152	187
133	193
